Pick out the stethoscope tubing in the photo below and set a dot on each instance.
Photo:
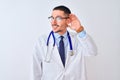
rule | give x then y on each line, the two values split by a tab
48	55
68	35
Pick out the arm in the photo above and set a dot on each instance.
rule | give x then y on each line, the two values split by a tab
37	62
89	47
84	39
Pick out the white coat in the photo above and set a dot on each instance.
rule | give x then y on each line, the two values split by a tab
54	70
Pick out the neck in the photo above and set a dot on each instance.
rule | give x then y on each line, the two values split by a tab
62	32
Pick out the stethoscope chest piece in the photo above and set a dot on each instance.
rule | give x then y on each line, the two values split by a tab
71	52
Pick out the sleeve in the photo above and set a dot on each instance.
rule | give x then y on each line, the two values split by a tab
82	34
87	43
37	62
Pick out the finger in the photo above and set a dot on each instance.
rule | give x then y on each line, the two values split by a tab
72	17
69	25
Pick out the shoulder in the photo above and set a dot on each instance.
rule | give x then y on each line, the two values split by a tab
72	34
42	39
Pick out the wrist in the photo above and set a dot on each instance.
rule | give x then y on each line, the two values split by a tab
80	29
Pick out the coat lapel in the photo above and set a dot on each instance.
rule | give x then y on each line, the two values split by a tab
56	56
70	54
55	53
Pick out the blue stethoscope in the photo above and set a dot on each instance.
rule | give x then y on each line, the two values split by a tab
49	53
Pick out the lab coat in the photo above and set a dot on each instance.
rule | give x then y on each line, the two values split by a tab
54	70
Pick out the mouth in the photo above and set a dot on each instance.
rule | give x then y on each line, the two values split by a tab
55	25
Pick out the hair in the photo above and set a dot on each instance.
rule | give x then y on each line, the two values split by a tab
63	8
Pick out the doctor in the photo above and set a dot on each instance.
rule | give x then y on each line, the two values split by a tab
60	54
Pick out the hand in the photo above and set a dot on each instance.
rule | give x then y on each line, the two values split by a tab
74	23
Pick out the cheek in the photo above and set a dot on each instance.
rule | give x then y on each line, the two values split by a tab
63	24
62	27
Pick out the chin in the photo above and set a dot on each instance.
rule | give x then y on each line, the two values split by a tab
56	31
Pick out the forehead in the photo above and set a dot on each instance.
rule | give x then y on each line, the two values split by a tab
58	13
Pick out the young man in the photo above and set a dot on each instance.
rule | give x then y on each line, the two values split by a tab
60	55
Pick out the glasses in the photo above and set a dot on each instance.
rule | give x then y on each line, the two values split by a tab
58	18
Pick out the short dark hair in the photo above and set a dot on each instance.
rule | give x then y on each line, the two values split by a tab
63	8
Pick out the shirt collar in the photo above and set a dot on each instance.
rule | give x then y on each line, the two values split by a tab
57	36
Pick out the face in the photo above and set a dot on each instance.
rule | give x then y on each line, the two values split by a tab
59	21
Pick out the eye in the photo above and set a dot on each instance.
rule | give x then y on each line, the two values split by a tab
58	18
51	18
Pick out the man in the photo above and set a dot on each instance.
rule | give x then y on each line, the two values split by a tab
60	55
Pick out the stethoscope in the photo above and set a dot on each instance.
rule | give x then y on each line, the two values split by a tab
49	53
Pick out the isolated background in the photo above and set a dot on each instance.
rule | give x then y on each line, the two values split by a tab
22	21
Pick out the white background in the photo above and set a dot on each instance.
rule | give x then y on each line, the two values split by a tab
22	21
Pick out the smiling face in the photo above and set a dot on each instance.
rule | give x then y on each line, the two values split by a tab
59	21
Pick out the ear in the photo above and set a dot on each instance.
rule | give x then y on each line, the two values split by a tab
68	21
